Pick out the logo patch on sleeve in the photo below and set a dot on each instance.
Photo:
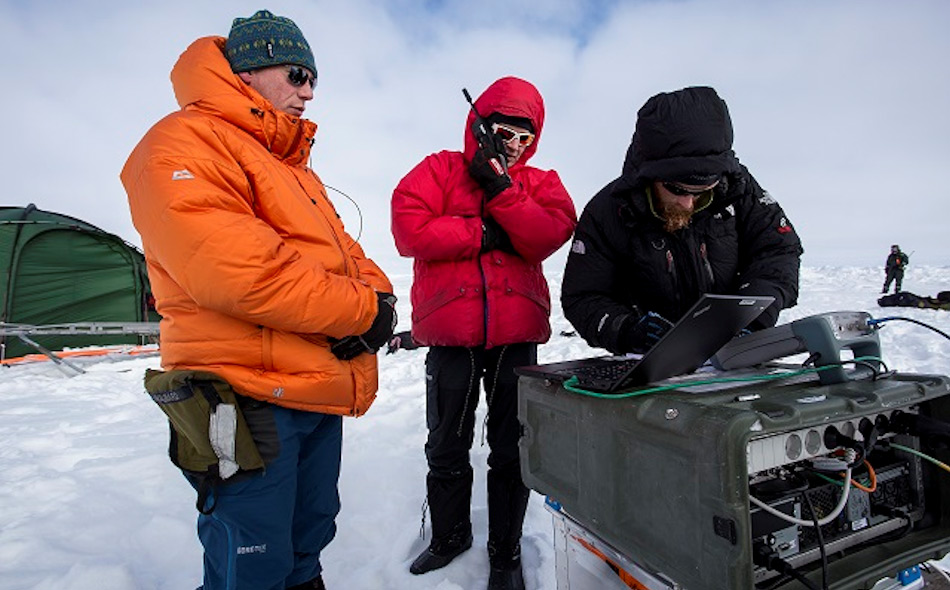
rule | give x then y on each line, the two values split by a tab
578	247
183	174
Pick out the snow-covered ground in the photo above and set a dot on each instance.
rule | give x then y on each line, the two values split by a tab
88	499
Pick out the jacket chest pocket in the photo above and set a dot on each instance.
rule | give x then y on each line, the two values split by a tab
721	252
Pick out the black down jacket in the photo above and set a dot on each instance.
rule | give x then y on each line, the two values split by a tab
623	262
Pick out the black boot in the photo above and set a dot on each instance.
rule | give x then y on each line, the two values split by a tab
506	579
505	575
441	551
450	497
507	504
314	584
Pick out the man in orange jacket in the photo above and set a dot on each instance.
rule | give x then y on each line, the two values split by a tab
257	282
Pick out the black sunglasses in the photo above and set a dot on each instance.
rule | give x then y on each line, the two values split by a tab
685	192
299	76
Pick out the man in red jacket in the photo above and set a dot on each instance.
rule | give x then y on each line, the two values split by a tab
478	224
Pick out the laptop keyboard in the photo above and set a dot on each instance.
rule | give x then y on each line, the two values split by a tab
607	372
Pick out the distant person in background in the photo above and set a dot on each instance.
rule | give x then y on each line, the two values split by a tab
479	223
683	219
894	269
257	282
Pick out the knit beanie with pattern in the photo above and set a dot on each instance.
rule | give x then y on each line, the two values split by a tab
267	40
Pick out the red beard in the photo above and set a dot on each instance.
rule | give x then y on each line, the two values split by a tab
674	216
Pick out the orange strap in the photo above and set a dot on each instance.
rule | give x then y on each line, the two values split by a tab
623	574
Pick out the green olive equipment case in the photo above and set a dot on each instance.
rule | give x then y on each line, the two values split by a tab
668	478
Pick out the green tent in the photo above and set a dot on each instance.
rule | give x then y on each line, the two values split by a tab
56	269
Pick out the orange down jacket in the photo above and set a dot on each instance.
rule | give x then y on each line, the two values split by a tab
250	265
462	296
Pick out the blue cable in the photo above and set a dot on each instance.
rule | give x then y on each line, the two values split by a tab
874	322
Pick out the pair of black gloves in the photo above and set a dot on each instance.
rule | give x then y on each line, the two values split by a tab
489	169
379	333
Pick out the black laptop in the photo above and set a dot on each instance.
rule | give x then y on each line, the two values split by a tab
709	324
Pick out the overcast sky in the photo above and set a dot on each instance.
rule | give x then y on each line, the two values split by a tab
841	108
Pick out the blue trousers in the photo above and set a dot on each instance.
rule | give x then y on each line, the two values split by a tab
266	533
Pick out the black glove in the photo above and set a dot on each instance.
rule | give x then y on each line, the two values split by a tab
494	237
640	335
490	171
401	341
373	339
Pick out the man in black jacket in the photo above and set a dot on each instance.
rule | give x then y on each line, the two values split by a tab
684	218
894	269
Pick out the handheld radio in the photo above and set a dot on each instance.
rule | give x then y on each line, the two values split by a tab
486	139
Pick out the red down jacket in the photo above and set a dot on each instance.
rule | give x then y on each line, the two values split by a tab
461	297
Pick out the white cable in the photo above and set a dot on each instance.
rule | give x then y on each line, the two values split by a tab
845	492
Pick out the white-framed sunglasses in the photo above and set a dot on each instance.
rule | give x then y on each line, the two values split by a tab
507	134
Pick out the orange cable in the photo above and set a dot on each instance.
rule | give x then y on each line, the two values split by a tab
871	474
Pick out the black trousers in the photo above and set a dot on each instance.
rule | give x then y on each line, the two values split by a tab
453	376
895	274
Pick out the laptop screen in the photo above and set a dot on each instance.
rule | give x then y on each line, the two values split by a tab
712	322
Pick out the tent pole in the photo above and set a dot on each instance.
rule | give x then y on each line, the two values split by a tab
52	356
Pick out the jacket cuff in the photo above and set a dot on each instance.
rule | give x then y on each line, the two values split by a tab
609	328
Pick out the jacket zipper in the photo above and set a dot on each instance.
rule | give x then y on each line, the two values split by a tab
329	226
671	269
481	270
706	265
296	141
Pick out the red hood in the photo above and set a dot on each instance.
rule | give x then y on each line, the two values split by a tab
513	97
